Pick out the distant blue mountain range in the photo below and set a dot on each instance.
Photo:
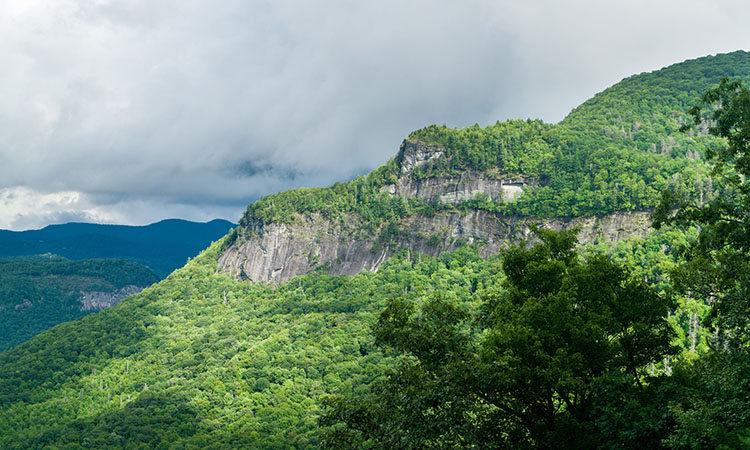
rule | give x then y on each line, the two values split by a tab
162	246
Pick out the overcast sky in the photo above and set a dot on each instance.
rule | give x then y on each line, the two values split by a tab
132	111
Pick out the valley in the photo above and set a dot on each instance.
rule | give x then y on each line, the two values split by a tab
250	343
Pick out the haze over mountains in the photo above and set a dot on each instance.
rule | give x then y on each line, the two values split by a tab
215	357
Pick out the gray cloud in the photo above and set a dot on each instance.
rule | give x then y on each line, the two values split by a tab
151	109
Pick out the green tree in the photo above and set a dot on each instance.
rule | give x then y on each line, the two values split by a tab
717	266
712	409
558	360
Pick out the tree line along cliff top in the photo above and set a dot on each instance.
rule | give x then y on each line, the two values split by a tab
615	152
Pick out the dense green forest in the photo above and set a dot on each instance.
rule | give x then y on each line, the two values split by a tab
37	293
565	356
203	360
640	343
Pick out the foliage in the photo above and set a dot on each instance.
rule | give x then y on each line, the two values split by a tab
654	259
36	294
204	360
717	268
525	372
615	152
712	408
711	412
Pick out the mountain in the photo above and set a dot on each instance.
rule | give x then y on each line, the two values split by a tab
207	359
163	246
40	288
602	169
39	292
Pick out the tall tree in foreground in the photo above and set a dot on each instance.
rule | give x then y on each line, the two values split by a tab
717	268
559	360
713	410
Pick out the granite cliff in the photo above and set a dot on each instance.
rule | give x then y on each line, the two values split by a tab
97	300
344	245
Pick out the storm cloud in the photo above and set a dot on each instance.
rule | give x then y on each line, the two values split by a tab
131	111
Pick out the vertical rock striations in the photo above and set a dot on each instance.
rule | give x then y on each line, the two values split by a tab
277	252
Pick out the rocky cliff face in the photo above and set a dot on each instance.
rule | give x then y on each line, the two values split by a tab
102	299
450	189
458	188
278	252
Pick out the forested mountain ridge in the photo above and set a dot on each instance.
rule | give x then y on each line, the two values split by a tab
63	272
648	107
608	161
39	292
652	106
163	246
206	360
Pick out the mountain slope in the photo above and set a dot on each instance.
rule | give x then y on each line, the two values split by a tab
39	290
609	158
37	294
163	246
171	350
206	360
648	107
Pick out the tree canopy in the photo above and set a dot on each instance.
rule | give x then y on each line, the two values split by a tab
531	369
713	410
717	264
537	347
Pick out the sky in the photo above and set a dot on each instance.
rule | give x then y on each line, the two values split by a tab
133	111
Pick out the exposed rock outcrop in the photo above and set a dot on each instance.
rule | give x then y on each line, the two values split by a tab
457	188
450	189
26	304
278	252
102	299
416	154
